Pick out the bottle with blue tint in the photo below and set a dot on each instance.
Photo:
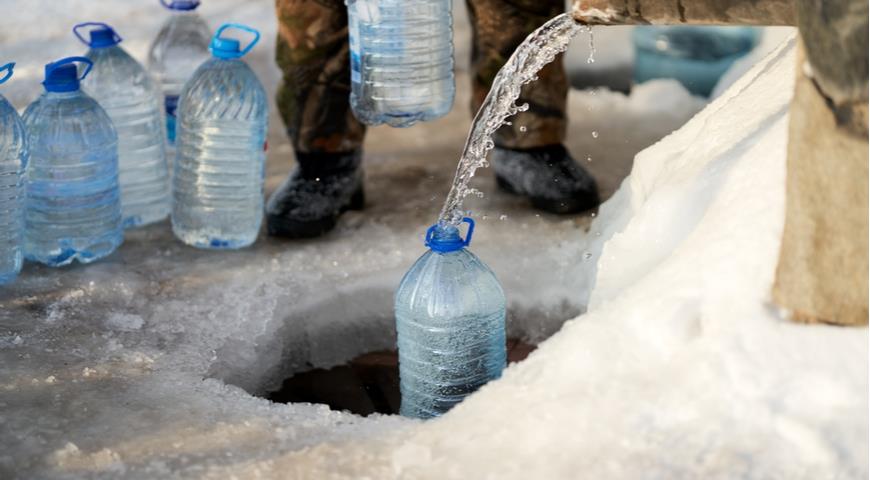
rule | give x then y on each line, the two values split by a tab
13	160
73	203
450	319
401	60
696	56
179	49
126	92
217	185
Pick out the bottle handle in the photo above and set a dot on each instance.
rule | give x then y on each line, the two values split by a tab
465	242
68	60
8	72
244	28
191	4
94	24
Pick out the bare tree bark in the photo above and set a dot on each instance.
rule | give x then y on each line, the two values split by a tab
675	12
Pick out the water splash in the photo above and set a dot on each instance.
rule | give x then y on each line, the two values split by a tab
591	58
538	49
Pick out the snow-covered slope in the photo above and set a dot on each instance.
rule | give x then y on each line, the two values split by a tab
680	368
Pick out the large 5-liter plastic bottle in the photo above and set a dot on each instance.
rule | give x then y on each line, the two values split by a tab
73	204
178	50
13	160
222	121
401	60
450	318
127	93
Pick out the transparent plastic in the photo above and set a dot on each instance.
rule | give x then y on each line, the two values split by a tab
13	160
697	56
219	171
401	56
73	205
179	49
450	318
125	90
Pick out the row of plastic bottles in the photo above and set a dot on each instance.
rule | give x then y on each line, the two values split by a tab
88	157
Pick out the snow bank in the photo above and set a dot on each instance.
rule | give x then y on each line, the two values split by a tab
680	368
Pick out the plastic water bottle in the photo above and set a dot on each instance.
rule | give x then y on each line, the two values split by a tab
73	204
401	60
178	50
222	121
123	88
13	160
697	56
450	318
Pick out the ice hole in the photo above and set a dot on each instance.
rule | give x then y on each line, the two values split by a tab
341	351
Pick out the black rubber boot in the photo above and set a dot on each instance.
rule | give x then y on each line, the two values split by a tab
549	176
316	193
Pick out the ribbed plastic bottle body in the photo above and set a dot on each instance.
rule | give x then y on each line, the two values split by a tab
179	49
450	319
401	60
131	99
219	171
13	159
697	56
73	203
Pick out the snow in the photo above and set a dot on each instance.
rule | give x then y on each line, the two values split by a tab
140	366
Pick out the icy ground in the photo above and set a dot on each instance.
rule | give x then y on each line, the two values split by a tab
131	367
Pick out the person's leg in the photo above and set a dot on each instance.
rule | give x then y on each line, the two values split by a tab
312	52
529	157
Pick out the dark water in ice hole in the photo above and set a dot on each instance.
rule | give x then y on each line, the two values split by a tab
365	385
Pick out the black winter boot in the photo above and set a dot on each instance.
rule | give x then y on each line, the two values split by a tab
549	176
316	193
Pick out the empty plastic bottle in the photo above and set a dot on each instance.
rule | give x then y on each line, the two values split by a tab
696	56
450	318
223	114
125	91
13	160
178	50
401	60
73	204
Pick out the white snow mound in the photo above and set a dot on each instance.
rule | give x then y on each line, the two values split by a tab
680	368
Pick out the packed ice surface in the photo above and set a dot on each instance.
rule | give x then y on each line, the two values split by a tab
132	367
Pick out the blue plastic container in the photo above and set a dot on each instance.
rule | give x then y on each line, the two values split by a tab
697	56
13	160
222	122
73	205
125	90
450	319
401	60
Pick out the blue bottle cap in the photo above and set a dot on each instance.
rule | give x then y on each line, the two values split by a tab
445	238
183	5
63	75
6	72
101	36
227	48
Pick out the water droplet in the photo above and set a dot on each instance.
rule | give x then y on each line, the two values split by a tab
593	214
502	217
587	255
588	158
594	133
317	179
523	128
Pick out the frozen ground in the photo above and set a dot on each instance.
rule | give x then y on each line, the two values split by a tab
680	369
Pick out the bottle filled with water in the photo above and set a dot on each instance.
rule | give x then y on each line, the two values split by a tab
73	203
13	160
179	48
125	90
401	60
217	185
450	318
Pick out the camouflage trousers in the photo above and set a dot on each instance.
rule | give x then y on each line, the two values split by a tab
312	52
